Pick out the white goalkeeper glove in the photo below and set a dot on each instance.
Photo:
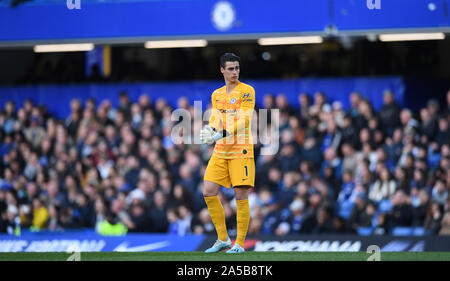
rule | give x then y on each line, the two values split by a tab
209	135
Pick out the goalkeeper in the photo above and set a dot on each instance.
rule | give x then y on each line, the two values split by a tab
232	162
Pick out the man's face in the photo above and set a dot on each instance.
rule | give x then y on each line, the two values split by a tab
388	98
231	71
354	99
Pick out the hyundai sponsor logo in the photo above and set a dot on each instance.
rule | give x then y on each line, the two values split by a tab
308	246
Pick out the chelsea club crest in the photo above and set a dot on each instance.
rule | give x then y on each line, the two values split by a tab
233	100
223	15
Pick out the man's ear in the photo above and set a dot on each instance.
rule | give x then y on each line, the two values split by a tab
222	69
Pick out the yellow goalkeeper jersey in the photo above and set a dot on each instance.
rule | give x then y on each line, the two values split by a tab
233	113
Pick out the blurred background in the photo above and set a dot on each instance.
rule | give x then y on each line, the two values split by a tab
87	89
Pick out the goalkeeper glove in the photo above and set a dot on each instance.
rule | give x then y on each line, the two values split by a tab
209	135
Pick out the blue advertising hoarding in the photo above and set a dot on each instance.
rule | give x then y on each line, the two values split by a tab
91	242
88	241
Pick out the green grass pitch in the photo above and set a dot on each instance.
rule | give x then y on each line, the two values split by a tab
247	256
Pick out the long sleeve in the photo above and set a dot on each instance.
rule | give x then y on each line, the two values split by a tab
214	119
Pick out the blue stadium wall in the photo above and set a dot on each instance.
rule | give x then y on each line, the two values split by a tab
57	98
411	93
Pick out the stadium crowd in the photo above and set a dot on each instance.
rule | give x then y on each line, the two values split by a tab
117	169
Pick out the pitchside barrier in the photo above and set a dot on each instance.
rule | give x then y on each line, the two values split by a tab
341	243
89	241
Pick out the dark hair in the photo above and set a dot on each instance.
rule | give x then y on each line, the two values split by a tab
229	57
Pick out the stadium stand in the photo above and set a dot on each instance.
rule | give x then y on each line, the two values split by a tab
115	169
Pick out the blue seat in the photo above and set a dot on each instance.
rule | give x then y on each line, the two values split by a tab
419	231
402	231
365	230
384	206
345	209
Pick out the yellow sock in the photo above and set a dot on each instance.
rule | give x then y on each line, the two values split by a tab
243	219
217	214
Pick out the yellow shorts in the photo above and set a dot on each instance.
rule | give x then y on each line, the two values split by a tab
235	172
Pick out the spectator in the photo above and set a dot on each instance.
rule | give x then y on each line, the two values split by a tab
365	114
274	178
355	100
445	225
139	217
85	209
338	113
347	195
53	222
394	146
443	134
332	160
185	223
174	221
187	179
100	211
433	108
7	182
332	137
401	178
311	151
433	219
319	104
270	210
282	104
286	193
324	221
203	224
35	134
158	213
54	195
359	216
11	222
420	203
67	219
118	210
305	103
296	216
132	175
429	124
40	214
289	153
182	197
111	226
348	132
350	160
381	227
439	192
401	213
384	187
309	224
389	113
